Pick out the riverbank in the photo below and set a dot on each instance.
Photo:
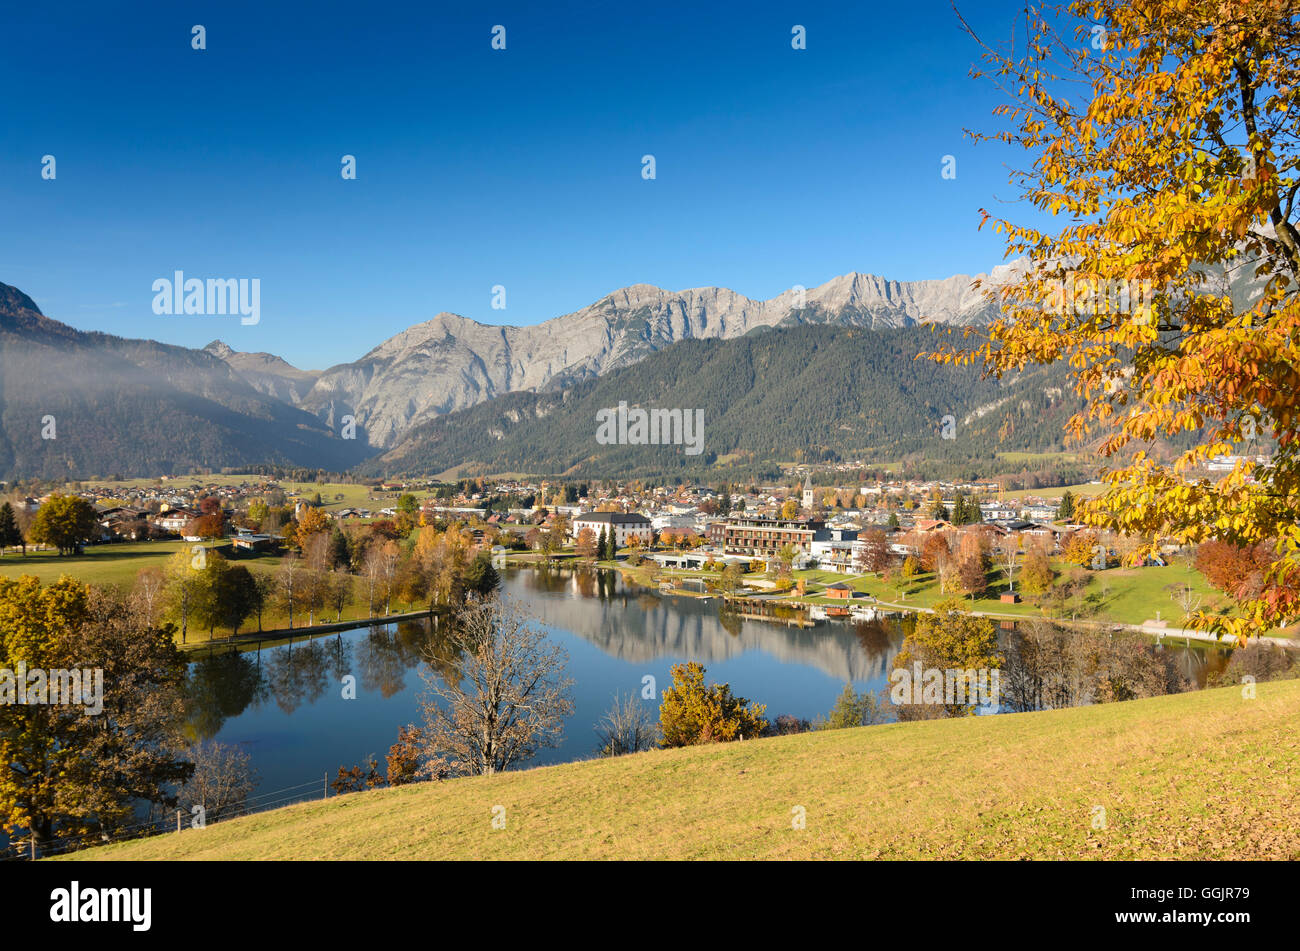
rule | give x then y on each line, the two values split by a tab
1126	599
1209	774
278	635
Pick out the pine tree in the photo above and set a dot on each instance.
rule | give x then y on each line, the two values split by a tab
1066	511
9	533
602	546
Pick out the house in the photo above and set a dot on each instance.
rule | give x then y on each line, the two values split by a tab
248	541
175	520
624	525
840	591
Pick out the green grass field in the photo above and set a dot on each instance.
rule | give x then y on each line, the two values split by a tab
1208	774
119	564
334	495
116	564
1121	595
1085	490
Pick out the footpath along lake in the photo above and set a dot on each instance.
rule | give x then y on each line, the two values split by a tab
284	705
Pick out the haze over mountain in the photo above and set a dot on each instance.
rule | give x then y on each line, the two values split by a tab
267	373
75	404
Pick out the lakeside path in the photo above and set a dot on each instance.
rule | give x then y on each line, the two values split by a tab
1155	630
287	633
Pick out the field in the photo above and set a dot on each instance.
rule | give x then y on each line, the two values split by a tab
1083	490
334	495
1208	774
118	564
1121	595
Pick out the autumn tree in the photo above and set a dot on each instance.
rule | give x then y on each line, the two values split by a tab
505	699
311	522
692	712
183	586
405	756
853	709
84	768
935	550
626	727
1080	549
872	554
1164	136
147	592
1007	552
732	579
66	522
585	546
1036	572
290	582
223	780
946	639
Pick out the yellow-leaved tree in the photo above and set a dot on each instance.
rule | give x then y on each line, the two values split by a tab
1163	136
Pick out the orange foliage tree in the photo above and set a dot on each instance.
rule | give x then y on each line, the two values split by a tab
1163	133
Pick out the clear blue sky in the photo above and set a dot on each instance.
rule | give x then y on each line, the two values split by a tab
478	167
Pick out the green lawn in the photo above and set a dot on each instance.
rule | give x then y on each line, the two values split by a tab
118	564
1084	490
352	496
1204	775
1122	595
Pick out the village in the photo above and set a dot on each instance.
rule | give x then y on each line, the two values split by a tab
831	548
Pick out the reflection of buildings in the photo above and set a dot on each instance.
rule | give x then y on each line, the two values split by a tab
637	625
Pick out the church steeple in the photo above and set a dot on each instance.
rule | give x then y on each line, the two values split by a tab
808	492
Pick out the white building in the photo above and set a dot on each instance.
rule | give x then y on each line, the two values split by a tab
624	525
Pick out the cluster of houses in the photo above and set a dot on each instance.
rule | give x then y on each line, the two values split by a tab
687	525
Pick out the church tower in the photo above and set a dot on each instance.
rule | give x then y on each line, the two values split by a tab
808	500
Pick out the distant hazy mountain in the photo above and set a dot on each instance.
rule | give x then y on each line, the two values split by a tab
452	362
267	373
76	404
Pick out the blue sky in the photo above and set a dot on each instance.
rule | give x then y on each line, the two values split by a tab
478	167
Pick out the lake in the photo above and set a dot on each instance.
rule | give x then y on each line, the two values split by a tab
284	705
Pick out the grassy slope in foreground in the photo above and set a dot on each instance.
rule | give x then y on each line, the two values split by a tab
1207	774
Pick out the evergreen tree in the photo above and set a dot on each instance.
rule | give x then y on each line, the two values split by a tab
893	521
1066	510
9	533
340	549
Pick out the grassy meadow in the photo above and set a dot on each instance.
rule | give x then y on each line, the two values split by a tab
1204	775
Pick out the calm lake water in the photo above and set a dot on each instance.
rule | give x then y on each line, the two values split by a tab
284	705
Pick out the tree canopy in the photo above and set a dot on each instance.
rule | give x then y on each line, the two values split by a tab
1165	137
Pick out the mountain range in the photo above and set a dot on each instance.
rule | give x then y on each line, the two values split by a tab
451	362
140	407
